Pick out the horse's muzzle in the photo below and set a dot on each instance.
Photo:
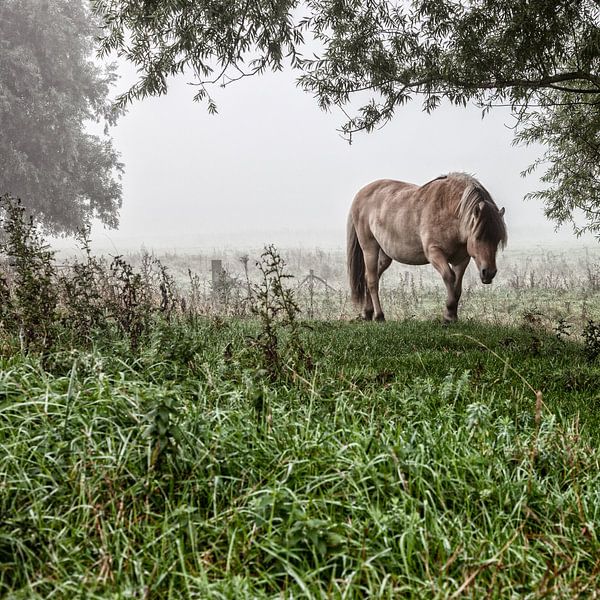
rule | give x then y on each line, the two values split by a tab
487	275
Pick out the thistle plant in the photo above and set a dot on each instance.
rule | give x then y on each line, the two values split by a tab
275	305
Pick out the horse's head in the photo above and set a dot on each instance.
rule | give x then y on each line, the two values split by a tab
486	236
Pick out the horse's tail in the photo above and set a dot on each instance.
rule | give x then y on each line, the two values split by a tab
356	264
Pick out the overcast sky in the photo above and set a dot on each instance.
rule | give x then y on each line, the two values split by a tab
271	167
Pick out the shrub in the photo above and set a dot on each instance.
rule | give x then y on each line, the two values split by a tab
34	296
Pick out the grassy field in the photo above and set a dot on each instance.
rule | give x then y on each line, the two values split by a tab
164	439
543	283
396	459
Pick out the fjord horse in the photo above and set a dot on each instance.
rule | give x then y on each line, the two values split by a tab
445	222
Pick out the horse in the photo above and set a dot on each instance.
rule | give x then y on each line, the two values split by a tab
445	222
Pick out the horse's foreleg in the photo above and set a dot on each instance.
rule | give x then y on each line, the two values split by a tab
459	271
440	263
372	275
383	262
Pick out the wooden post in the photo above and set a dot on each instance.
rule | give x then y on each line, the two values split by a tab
217	281
217	270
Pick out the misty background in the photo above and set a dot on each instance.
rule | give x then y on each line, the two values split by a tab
271	167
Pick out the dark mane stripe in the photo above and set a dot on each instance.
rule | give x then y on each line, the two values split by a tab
433	180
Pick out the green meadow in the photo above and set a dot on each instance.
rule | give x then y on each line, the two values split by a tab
383	460
237	440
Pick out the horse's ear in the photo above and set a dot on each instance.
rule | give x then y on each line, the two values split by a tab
478	208
502	211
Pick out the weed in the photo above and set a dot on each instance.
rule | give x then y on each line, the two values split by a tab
6	305
156	275
82	299
562	329
591	340
193	305
244	260
130	302
276	308
227	295
163	430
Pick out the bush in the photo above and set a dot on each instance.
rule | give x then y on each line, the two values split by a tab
34	298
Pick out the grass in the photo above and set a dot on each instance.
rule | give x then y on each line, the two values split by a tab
548	284
154	447
403	459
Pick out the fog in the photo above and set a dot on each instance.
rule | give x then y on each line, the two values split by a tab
272	167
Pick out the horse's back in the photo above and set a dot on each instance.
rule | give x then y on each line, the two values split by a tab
383	190
381	199
388	211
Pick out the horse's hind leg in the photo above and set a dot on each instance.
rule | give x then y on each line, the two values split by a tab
372	254
368	310
383	262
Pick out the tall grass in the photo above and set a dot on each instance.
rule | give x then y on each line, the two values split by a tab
356	479
553	285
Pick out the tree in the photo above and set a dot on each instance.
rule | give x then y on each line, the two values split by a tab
541	58
51	88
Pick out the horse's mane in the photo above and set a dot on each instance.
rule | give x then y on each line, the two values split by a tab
483	221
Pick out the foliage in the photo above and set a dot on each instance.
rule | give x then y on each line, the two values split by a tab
156	275
214	40
130	302
568	125
562	328
591	340
34	300
80	301
82	293
163	431
227	294
276	308
540	58
51	89
413	461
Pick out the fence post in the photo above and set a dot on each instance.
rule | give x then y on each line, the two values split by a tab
216	267
311	291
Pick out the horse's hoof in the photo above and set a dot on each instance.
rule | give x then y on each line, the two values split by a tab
380	317
366	316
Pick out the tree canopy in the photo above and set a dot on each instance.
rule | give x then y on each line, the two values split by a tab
540	58
51	89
